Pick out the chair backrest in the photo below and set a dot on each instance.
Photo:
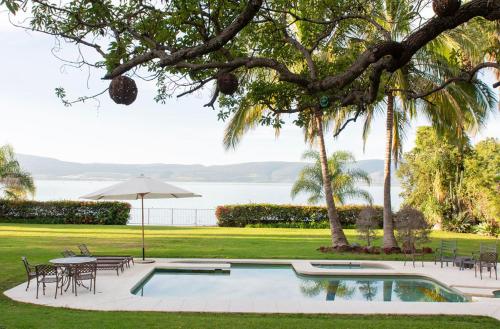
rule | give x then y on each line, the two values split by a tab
86	268
84	250
488	257
487	247
68	253
26	265
448	247
45	270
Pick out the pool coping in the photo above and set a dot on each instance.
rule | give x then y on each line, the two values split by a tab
114	293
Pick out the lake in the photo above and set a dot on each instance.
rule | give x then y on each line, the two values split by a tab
193	211
213	194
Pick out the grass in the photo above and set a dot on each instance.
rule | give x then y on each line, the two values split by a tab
43	242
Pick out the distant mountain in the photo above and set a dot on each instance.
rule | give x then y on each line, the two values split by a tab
258	172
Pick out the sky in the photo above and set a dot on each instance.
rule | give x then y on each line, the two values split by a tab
34	121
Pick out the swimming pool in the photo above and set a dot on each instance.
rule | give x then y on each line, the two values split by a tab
281	282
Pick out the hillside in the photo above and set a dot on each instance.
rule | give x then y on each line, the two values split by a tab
261	172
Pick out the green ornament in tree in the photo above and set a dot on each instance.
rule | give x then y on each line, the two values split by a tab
324	102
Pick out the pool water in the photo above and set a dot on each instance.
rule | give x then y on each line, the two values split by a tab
280	282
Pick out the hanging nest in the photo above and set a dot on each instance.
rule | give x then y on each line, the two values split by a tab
227	83
123	90
444	8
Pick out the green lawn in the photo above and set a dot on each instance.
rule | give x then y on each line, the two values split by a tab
42	242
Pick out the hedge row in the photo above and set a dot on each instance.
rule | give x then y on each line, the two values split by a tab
64	212
273	215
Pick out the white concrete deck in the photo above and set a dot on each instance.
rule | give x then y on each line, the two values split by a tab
113	293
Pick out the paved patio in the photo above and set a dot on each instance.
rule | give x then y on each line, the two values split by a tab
113	293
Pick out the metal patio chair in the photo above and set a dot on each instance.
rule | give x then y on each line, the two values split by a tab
85	272
45	274
30	271
412	254
446	252
488	260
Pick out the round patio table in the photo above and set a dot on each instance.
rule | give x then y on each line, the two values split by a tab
464	262
68	263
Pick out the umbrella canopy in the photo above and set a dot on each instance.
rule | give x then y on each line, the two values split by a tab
140	188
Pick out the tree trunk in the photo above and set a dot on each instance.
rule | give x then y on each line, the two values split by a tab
338	236
389	238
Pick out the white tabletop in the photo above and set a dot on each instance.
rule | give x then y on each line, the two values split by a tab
72	260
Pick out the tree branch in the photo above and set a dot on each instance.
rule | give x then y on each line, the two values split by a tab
284	73
211	45
464	77
400	53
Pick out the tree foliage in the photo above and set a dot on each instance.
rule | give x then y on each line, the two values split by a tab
481	186
286	54
452	182
15	183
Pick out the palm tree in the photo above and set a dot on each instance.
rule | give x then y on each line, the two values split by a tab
249	115
459	107
14	182
343	180
338	236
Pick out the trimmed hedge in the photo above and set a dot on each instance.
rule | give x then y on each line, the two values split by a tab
274	215
64	212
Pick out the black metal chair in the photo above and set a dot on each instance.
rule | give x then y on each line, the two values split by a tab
85	272
412	253
488	247
487	260
30	271
446	252
48	274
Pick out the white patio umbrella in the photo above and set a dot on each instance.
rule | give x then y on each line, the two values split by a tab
140	188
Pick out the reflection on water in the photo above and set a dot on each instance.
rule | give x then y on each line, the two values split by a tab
378	289
282	283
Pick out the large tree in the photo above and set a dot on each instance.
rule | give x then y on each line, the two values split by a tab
296	49
458	107
452	182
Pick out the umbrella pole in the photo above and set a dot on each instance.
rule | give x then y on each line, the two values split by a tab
142	216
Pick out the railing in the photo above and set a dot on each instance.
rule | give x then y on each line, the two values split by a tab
173	217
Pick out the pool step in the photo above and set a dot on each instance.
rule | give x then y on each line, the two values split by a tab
196	267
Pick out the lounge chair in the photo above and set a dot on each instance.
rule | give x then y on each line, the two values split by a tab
30	271
487	260
447	252
48	274
84	250
68	253
103	263
85	272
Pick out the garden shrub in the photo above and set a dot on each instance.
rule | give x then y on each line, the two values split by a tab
64	212
275	215
412	229
366	225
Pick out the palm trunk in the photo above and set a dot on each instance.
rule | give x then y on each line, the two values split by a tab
338	236
389	238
